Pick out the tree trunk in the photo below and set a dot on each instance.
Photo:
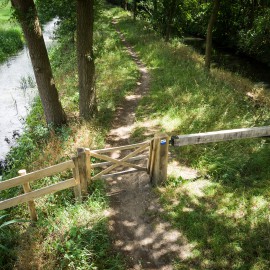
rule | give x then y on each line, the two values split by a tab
169	18
155	14
155	8
125	4
134	9
86	65
209	36
27	15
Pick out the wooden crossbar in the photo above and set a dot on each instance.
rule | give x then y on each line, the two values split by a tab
102	164
115	161
121	173
121	148
16	181
222	135
121	162
37	193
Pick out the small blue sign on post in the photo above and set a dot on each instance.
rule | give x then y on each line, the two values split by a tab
163	142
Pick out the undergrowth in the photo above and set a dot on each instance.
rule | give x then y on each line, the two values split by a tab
223	215
68	235
10	34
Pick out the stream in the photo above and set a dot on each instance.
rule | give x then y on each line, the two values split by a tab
243	65
17	92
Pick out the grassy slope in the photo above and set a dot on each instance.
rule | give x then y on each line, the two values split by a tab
69	235
225	214
225	218
10	34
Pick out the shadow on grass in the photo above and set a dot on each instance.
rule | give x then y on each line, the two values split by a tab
222	238
227	220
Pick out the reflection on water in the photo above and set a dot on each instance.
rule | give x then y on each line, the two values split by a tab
17	92
243	65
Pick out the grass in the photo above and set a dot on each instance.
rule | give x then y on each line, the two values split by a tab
10	34
68	235
224	215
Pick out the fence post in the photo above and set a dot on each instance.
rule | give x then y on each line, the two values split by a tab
150	159
159	159
88	165
31	204
82	170
76	176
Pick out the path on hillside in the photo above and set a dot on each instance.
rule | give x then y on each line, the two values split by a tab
138	232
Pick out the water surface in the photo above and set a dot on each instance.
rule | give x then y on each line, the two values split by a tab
17	92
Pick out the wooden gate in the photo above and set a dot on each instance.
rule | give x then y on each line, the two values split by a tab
113	164
84	166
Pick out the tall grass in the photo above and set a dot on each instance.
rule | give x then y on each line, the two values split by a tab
70	235
224	215
10	34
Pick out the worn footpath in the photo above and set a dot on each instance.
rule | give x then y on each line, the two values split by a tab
137	230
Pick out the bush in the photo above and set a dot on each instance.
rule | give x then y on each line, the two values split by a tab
10	42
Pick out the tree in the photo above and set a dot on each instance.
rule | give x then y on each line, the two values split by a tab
209	36
169	9
134	9
86	65
26	14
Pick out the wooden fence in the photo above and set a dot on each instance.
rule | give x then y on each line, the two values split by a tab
83	173
155	151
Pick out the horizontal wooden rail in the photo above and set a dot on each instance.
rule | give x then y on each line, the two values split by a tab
218	136
37	193
121	148
122	172
36	175
102	164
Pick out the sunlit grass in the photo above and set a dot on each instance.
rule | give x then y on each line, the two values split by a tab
70	235
223	208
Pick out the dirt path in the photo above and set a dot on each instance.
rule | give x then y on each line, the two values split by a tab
138	232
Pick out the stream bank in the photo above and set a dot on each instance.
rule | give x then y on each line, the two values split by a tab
227	59
17	93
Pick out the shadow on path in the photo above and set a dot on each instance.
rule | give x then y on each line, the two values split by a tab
138	232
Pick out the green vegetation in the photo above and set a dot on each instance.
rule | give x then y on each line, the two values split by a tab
10	34
224	215
69	234
241	25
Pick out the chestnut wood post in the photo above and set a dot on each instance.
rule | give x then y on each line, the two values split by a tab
82	170
159	159
31	204
76	176
88	165
150	158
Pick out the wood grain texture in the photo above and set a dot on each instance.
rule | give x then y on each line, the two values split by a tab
37	193
103	164
223	135
82	170
120	148
31	204
158	168
76	176
13	182
119	162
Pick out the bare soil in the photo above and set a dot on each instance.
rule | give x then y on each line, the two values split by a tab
137	229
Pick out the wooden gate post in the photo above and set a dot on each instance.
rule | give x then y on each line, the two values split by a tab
76	176
31	204
84	169
159	159
88	165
